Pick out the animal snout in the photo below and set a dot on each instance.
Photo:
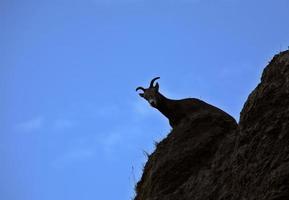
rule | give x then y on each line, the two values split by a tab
152	102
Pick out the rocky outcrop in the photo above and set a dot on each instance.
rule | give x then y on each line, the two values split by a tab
210	157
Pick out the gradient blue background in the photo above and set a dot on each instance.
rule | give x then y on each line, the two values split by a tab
71	124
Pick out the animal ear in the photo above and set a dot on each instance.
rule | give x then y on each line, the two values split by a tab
157	87
141	94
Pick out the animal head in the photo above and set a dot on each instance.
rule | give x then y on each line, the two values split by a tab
151	94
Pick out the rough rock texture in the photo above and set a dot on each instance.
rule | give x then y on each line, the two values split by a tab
210	157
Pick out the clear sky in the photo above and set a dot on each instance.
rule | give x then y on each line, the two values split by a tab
71	124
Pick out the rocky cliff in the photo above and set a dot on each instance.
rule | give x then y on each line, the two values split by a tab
211	157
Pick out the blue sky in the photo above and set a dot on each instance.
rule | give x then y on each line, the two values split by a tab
71	124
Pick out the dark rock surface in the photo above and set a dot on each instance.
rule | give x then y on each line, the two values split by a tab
210	157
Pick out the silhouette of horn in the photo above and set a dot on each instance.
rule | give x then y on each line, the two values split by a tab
139	88
152	82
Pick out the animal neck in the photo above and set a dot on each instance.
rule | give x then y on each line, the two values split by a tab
164	105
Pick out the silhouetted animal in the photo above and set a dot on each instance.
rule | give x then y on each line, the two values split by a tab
175	110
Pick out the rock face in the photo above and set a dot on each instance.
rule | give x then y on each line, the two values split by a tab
211	157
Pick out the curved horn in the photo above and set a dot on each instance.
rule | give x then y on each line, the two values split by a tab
139	88
152	82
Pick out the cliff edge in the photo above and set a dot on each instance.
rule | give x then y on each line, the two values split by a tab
211	157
